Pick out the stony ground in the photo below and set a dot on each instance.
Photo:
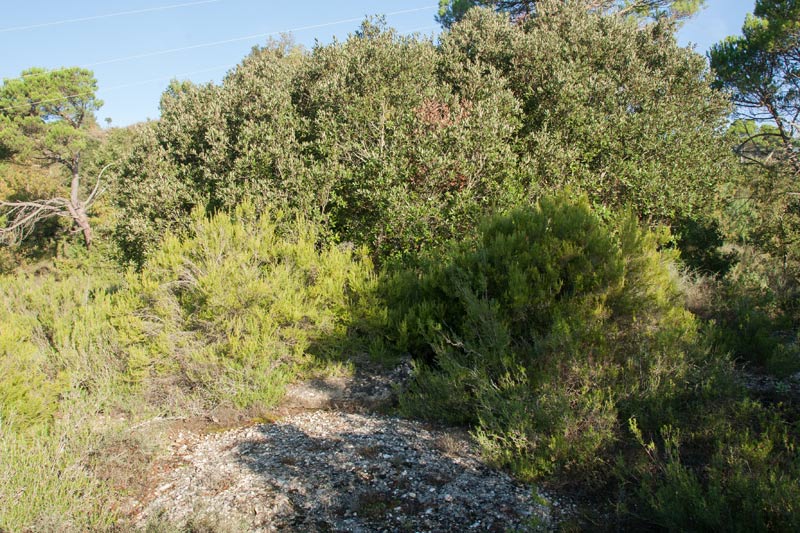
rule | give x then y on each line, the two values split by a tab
328	464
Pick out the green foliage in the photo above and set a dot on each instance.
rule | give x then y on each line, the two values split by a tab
59	370
45	120
759	69
749	482
755	306
561	338
23	182
605	108
400	144
544	332
409	160
452	11
754	322
57	340
212	148
27	396
44	485
701	243
556	331
362	134
226	317
45	113
236	311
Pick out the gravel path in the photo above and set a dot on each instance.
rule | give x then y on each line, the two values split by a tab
334	471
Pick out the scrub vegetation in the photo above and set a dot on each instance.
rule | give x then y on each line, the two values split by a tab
584	237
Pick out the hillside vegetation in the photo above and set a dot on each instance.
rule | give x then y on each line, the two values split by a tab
554	214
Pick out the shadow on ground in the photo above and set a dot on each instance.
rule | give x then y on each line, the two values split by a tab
331	471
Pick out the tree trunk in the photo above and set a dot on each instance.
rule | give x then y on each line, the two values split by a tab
78	210
83	223
786	138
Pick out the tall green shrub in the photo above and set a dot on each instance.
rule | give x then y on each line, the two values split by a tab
399	144
408	159
213	147
545	333
611	108
236	311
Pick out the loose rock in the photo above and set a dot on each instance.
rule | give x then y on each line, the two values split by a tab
335	471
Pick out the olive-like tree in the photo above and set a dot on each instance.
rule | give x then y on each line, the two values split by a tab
451	11
46	119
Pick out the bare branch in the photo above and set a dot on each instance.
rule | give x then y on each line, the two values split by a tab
23	216
90	200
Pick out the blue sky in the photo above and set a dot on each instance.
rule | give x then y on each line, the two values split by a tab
135	54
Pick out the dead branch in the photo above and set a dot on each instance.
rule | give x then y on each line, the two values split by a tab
22	217
93	195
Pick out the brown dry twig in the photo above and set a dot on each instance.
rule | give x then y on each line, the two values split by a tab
22	217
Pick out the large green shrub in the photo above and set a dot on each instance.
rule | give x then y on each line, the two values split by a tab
362	133
213	147
611	108
399	143
228	316
544	333
236	311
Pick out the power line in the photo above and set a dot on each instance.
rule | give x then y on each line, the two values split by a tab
245	38
163	78
106	16
232	40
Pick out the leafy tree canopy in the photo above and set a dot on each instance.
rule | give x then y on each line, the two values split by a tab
400	144
45	115
451	11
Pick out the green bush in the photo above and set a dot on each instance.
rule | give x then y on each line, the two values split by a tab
59	373
732	467
545	333
363	134
609	107
756	317
236	311
228	316
57	341
398	143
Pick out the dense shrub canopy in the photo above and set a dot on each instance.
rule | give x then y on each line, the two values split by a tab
233	312
225	318
400	143
620	112
546	332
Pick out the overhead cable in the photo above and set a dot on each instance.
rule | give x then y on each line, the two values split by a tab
153	80
232	40
107	16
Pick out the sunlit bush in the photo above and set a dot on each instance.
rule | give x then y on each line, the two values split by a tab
235	311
